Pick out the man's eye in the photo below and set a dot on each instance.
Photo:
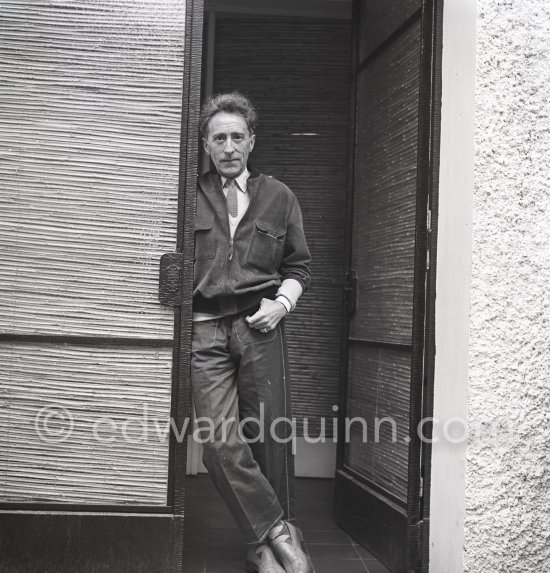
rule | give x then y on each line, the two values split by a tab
238	137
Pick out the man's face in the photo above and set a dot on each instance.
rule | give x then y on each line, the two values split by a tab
229	143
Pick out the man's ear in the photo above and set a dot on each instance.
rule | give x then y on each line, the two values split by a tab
205	145
252	141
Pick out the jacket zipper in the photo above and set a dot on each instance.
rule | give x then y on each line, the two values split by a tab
231	239
230	255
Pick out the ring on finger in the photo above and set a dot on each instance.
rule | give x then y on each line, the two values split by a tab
264	330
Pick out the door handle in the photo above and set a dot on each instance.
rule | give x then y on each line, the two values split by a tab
170	279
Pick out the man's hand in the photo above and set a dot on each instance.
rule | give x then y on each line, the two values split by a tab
268	316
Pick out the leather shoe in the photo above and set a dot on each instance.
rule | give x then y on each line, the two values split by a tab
287	547
260	559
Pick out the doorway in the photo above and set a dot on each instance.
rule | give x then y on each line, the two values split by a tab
296	70
348	126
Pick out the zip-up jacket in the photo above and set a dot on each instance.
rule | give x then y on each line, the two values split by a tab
268	246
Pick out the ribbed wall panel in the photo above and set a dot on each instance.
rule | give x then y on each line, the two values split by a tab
379	383
90	115
90	121
385	192
129	386
296	71
380	18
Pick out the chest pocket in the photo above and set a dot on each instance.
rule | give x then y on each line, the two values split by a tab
266	247
205	245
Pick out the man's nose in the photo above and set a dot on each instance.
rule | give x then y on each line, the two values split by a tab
229	147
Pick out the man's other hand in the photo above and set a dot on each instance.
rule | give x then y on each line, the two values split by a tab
268	315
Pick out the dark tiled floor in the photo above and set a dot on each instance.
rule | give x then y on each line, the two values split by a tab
214	545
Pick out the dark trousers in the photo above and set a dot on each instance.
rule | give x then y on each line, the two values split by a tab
241	374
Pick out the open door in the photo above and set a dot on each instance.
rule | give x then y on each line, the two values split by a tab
379	473
98	180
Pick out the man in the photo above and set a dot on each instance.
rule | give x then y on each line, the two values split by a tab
251	266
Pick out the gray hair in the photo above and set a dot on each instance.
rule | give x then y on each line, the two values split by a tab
232	102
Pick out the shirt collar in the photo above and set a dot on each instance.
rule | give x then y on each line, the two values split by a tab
240	180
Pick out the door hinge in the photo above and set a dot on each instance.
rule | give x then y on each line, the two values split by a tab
429	230
350	292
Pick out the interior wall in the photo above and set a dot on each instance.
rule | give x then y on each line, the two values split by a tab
296	71
508	474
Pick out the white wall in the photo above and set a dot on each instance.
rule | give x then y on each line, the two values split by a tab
507	525
454	253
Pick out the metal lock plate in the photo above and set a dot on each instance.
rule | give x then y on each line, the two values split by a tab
170	275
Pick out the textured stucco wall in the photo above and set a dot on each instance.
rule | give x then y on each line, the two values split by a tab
508	478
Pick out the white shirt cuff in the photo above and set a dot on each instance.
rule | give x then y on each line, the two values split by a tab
284	302
291	289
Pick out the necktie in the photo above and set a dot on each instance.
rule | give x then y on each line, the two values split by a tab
232	203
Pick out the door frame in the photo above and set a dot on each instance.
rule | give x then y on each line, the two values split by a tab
450	321
185	244
423	347
78	531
